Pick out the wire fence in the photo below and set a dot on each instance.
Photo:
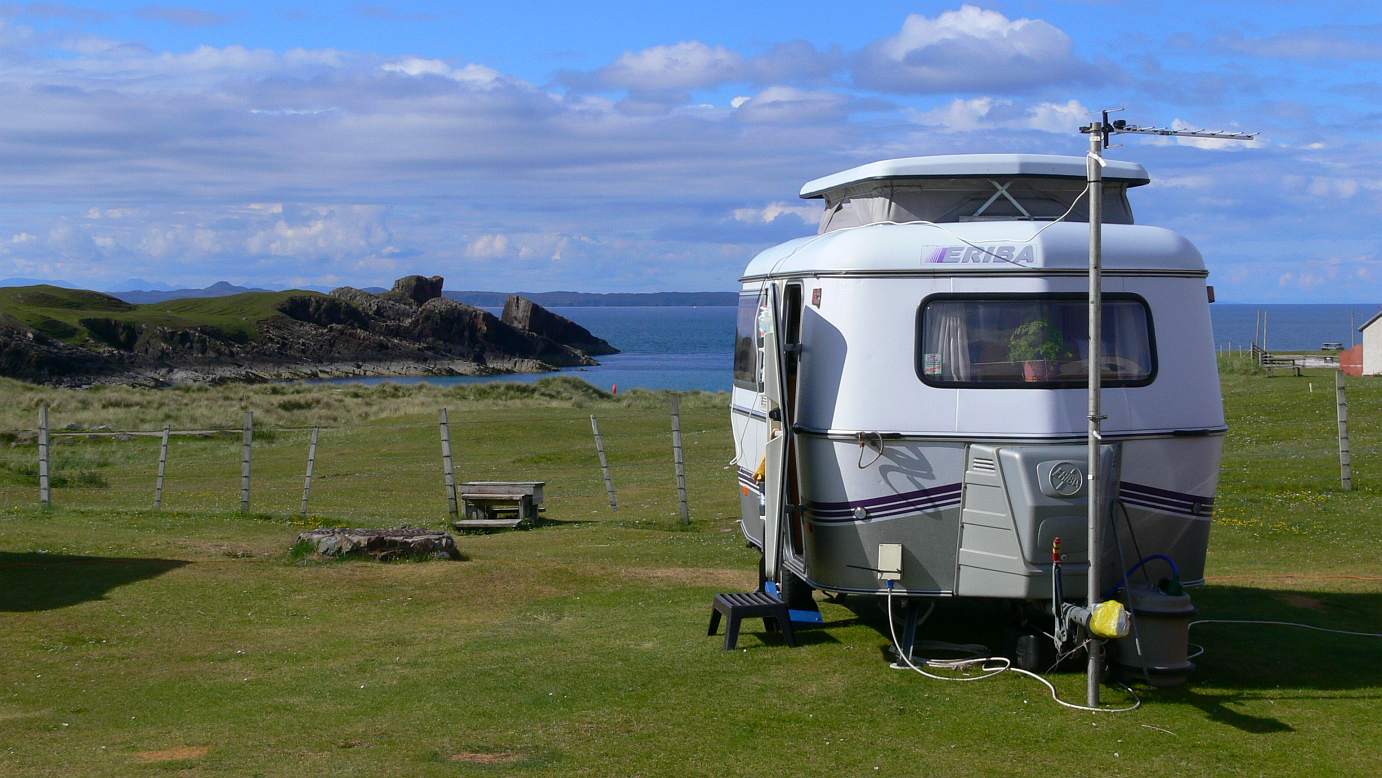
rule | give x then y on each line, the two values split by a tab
631	464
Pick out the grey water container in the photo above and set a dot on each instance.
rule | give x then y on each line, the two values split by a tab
1162	628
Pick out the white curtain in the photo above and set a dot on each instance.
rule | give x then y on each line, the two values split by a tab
949	336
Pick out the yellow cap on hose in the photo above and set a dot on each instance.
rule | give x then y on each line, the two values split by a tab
1109	620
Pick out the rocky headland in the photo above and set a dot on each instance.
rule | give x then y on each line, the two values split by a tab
68	337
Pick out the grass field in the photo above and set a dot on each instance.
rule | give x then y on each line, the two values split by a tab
66	314
188	640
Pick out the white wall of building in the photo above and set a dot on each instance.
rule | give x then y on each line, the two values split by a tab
1372	348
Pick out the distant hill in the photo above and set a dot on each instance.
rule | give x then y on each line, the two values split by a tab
599	299
4	282
218	289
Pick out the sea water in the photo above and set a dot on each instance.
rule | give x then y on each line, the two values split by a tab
692	348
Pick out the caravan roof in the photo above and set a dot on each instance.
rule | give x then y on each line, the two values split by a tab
956	249
975	165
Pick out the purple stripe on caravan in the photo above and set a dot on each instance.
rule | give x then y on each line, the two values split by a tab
1165	499
887	510
879	501
888	513
1153	492
1178	504
874	510
1164	506
902	502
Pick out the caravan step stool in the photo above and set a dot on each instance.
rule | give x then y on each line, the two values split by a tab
738	606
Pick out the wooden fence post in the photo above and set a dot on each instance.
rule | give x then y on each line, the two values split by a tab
604	464
679	458
1345	456
162	467
45	491
245	454
448	469
311	464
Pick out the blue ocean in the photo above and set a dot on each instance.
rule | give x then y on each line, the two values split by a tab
692	348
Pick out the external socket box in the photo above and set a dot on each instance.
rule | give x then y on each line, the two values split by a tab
890	561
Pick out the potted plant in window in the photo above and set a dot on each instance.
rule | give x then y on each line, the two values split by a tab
1038	345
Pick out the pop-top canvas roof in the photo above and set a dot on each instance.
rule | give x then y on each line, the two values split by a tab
975	165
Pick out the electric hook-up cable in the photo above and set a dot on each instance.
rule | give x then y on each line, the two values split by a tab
1199	649
989	666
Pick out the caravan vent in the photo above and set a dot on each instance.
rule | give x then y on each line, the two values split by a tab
983	465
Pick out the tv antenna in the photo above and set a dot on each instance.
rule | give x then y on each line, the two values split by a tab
1105	129
1099	133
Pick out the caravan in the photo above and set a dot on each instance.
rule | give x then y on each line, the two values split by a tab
909	386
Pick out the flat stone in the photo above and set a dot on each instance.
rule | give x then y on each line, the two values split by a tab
382	544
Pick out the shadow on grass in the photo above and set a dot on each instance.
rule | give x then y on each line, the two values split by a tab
1241	663
547	521
1247	662
37	582
542	522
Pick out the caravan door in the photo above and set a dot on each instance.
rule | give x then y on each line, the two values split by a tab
779	446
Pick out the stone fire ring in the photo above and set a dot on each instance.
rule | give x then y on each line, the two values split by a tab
382	544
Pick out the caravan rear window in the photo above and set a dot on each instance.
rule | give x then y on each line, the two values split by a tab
746	343
1031	341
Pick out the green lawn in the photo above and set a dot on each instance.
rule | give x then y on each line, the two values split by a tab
188	640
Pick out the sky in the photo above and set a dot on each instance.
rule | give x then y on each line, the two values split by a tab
637	146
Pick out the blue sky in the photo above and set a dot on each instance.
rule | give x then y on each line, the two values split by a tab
649	146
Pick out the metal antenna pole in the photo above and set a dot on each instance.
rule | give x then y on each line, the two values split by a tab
1099	133
1097	141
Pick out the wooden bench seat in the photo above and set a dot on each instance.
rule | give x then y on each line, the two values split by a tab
499	504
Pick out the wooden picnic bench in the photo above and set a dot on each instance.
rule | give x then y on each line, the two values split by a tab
500	504
1271	363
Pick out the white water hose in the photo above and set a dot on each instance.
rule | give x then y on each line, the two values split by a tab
991	666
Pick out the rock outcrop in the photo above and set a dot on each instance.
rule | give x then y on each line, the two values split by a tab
524	314
419	289
381	544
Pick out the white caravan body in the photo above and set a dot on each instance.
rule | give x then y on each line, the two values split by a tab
913	375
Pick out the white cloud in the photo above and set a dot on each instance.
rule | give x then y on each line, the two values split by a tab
1354	42
335	231
959	115
672	68
1192	181
808	214
791	104
111	213
990	113
1336	188
490	246
967	49
1057	117
472	74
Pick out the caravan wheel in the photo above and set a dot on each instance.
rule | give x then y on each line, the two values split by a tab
796	592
